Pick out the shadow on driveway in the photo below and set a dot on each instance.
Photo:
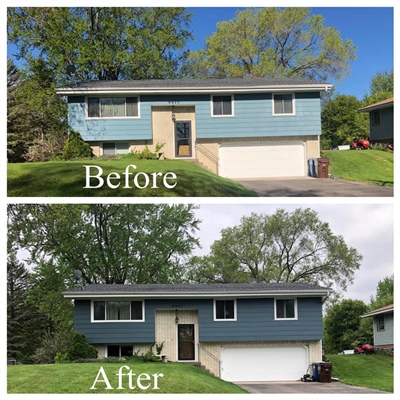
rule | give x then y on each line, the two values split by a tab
313	187
304	388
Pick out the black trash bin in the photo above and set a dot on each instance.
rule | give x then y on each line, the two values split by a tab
325	372
323	167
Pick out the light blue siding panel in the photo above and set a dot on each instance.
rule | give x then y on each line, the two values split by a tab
386	336
107	129
252	118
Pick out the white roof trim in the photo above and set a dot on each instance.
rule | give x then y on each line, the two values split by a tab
195	90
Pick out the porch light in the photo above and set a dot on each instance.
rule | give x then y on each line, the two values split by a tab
176	317
173	115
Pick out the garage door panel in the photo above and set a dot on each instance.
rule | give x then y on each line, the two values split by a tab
264	363
242	160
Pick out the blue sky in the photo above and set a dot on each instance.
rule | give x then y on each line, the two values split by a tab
370	29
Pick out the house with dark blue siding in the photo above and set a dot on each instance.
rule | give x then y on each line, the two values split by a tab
237	128
273	329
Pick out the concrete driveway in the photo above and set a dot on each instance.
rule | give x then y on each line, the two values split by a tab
304	388
313	187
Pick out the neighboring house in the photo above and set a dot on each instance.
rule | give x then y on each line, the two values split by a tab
237	128
240	332
380	121
383	326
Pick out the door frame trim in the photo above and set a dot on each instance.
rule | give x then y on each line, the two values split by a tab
195	333
176	139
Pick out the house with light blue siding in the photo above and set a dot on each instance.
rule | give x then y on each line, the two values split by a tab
383	326
275	329
237	128
381	121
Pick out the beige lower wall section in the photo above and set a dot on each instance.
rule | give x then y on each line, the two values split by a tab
167	330
212	351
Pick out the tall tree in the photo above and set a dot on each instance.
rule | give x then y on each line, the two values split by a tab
384	293
282	247
43	125
344	328
24	323
276	42
340	121
108	243
381	87
108	43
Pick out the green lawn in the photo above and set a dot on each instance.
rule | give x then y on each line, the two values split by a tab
374	371
68	178
370	166
79	378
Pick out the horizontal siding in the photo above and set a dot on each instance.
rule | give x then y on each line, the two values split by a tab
252	118
385	336
385	129
255	321
111	129
112	332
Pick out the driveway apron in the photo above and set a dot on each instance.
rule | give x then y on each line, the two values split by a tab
313	187
304	388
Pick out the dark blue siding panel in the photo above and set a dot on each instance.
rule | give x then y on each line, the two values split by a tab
112	332
255	321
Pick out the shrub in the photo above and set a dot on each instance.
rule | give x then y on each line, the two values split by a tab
81	348
76	148
52	345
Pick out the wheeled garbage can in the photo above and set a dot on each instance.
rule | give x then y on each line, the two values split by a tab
323	167
325	372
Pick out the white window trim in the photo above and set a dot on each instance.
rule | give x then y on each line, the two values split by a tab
232	106
108	96
284	114
377	323
107	321
295	309
224	319
115	147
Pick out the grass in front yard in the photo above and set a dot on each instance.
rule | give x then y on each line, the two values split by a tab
79	378
374	371
370	166
68	178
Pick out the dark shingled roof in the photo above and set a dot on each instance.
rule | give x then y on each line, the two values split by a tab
194	289
185	85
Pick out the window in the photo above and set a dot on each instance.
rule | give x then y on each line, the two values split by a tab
110	148
283	104
380	323
118	311
286	309
119	351
376	117
113	107
222	105
225	310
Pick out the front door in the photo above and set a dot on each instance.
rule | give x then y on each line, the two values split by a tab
186	344
183	139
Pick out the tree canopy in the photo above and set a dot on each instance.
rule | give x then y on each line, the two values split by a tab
105	43
114	243
282	247
384	295
260	42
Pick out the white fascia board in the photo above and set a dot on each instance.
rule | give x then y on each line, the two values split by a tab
195	90
172	295
372	314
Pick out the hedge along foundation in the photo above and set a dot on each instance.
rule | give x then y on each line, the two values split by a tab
113	179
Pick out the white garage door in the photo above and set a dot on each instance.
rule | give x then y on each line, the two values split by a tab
263	364
260	160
